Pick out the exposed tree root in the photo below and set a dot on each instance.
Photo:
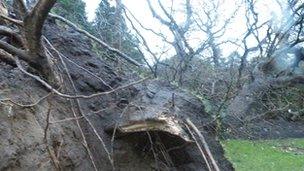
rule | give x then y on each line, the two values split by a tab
210	161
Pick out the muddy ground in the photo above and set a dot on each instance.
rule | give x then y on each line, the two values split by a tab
24	144
22	129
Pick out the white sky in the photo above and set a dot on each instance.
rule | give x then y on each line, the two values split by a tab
141	11
91	6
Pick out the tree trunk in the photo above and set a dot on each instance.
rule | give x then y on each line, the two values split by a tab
30	24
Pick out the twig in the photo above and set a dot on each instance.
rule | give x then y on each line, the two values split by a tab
14	21
85	143
45	139
27	105
116	127
267	112
200	148
77	101
59	149
89	72
47	123
77	118
153	150
205	145
48	86
103	44
173	99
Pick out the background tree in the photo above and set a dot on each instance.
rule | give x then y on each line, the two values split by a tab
110	26
73	10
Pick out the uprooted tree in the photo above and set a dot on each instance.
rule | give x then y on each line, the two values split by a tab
260	64
230	84
23	32
26	33
269	73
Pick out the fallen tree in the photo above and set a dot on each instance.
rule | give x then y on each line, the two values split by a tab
272	71
25	38
29	47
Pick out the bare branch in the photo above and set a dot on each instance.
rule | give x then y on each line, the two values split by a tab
15	51
78	104
189	15
27	105
163	21
144	42
14	21
48	86
45	139
74	63
145	28
103	44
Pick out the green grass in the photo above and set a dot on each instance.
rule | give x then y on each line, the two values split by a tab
266	155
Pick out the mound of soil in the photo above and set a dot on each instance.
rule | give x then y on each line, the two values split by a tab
25	146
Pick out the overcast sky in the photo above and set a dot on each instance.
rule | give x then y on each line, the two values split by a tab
140	9
91	6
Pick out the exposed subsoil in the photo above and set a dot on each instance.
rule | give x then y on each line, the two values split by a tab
22	130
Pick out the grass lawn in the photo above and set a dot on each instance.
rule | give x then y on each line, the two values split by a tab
266	155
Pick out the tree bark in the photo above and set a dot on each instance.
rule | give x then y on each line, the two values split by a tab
30	25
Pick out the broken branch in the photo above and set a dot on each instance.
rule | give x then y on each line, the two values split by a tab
205	145
103	44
